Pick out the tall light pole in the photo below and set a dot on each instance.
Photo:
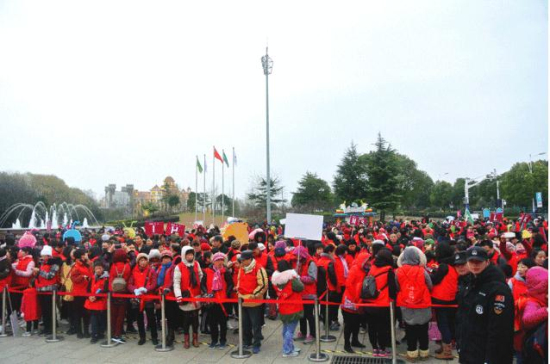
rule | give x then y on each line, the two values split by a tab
531	171
267	64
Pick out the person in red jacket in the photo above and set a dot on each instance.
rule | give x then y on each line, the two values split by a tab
378	316
353	314
47	278
307	270
120	268
288	287
143	280
445	287
97	306
413	296
326	265
23	269
342	269
217	282
81	275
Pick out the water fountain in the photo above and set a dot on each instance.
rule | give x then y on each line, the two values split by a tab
42	217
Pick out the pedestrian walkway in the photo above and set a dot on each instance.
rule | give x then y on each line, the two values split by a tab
34	349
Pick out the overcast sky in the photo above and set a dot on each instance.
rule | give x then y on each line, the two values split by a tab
101	92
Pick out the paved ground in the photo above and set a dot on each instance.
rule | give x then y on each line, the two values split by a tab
34	349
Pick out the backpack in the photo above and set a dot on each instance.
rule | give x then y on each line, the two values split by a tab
369	291
119	283
411	295
535	346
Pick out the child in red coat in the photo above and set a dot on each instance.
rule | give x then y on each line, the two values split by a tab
97	306
30	310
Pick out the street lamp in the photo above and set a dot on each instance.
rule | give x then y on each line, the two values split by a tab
531	171
267	64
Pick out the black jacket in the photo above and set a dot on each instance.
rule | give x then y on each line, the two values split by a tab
486	316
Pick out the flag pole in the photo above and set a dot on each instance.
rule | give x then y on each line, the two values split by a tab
196	188
233	184
204	192
213	189
223	189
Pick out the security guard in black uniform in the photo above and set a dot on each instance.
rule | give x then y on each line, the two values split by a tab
487	310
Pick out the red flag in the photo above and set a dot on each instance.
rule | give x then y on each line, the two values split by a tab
174	228
217	155
152	228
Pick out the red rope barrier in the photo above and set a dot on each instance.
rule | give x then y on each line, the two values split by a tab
214	299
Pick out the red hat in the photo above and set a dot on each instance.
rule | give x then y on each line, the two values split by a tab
166	253
205	247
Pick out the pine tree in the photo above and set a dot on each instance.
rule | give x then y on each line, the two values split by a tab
383	171
350	182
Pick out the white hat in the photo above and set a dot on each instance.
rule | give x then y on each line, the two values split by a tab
46	251
154	253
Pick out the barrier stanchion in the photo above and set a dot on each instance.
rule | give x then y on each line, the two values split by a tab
54	338
162	347
241	353
327	338
392	329
4	311
109	343
317	356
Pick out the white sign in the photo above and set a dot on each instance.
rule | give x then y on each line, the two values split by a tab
304	226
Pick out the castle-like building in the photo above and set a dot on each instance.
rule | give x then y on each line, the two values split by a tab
132	200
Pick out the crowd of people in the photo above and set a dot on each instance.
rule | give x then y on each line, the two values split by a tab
478	288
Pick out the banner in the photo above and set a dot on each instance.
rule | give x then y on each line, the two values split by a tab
538	197
357	220
152	228
175	228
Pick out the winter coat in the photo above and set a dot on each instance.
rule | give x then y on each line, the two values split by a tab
29	305
487	320
536	308
252	283
288	287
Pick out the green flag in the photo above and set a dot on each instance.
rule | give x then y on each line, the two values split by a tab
468	216
225	158
199	167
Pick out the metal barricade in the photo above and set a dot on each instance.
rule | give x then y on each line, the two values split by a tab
317	356
241	353
54	338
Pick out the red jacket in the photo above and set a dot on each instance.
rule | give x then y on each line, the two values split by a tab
519	288
29	305
310	284
208	277
101	284
119	268
445	291
81	275
285	295
142	278
413	291
340	277
352	294
19	282
50	278
381	274
325	262
262	260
